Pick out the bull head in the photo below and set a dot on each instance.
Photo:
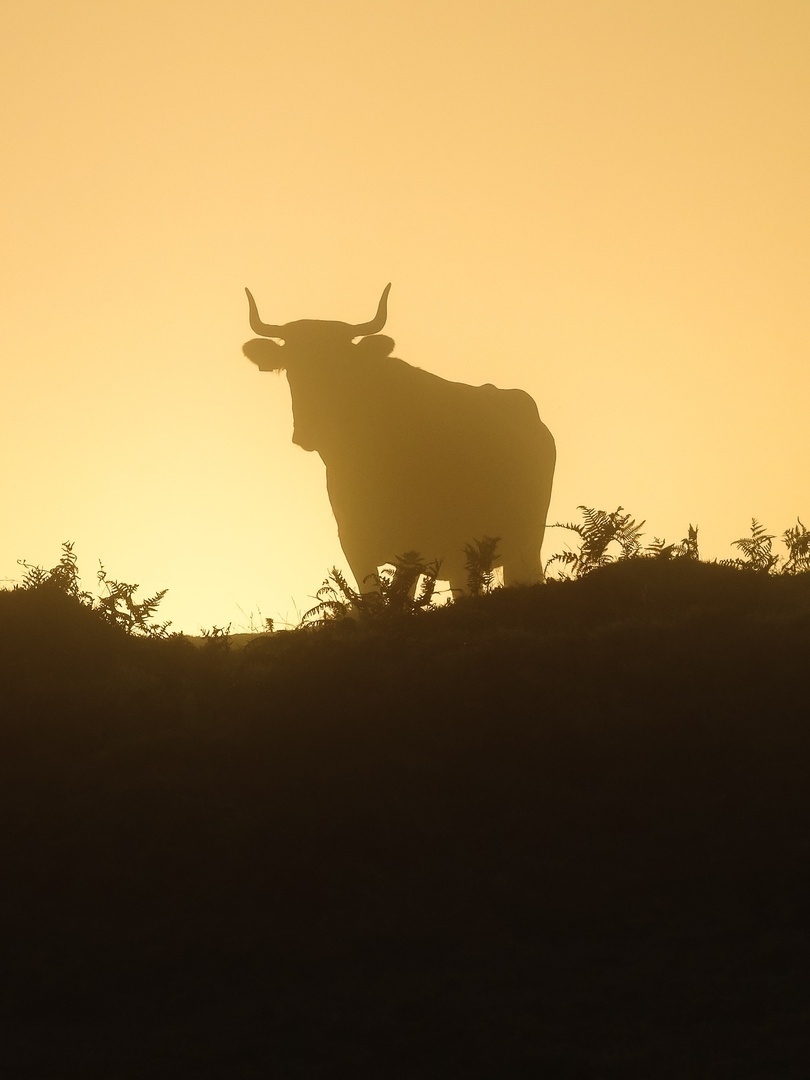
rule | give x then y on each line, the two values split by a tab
322	364
311	339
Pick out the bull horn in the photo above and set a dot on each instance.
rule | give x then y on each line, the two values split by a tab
378	322
256	324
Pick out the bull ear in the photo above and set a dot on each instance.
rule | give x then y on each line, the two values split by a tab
376	347
265	354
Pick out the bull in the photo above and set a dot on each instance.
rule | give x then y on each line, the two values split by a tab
413	462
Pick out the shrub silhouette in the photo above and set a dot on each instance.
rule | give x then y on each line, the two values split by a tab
756	549
797	541
597	532
64	576
601	529
117	606
686	549
405	588
758	554
481	559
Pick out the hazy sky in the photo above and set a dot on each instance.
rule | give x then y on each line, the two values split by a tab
607	204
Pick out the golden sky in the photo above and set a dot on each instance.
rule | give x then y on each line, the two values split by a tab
606	204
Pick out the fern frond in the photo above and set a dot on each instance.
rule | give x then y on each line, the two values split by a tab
479	564
797	541
756	549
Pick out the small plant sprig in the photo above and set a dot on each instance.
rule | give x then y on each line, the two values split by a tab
256	623
686	549
118	607
218	638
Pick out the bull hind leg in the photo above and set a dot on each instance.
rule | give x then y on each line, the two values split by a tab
522	564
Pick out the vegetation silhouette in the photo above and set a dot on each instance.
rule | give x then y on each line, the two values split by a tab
413	462
405	587
758	555
556	831
116	606
605	537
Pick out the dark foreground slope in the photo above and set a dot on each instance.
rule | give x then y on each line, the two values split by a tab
558	832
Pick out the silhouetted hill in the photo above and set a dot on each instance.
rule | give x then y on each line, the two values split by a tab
559	831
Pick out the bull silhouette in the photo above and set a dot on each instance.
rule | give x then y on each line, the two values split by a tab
413	462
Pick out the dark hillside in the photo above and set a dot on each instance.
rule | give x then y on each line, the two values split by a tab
554	832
